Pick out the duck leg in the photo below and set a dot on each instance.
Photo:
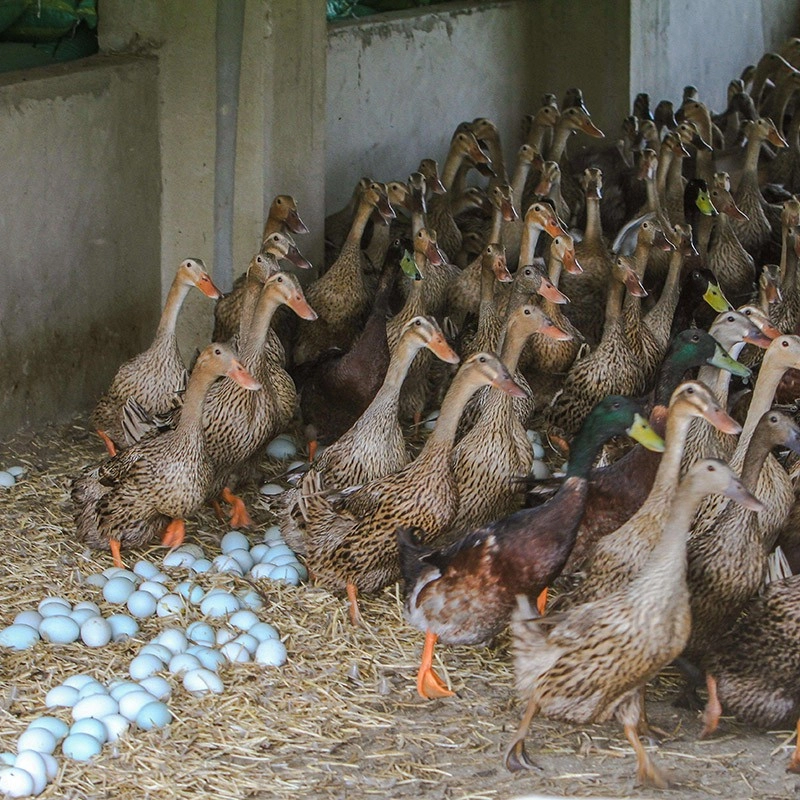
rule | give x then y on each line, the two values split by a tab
429	684
174	533
352	596
115	553
713	708
629	714
541	601
239	516
516	757
794	764
110	446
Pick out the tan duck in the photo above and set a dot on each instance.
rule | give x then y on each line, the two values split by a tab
341	296
549	186
374	446
619	556
511	234
785	312
540	217
155	377
496	449
591	663
609	369
537	128
728	563
587	291
338	223
465	591
350	539
150	488
754	673
399	195
238	423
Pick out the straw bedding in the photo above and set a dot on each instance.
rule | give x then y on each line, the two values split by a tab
342	718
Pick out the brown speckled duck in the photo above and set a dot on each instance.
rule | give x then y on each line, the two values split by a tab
155	377
350	538
150	488
591	663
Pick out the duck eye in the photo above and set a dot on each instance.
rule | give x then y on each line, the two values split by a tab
784	343
690	390
217	351
730	319
418	323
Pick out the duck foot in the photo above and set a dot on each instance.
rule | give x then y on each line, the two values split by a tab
110	446
713	709
429	685
352	596
174	533
240	518
115	553
516	758
541	601
647	773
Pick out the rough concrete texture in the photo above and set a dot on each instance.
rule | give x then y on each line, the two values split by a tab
79	232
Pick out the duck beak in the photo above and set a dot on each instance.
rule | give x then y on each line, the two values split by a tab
661	241
441	349
294	255
385	210
436	185
294	223
590	129
722	360
207	287
641	432
508	385
552	331
543	187
570	262
758	338
722	421
554	227
700	143
772	293
409	266
714	297
501	273
740	495
776	139
434	254
549	292
300	306
704	204
240	375
734	212
792	441
634	285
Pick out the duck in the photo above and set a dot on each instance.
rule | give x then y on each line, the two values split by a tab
618	557
374	446
152	486
496	448
727	564
520	553
341	296
591	663
350	538
540	217
754	672
338	223
511	234
282	219
336	388
610	368
400	197
537	128
699	293
237	423
156	377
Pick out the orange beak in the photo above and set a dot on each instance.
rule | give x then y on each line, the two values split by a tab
441	349
207	287
300	306
551	293
239	374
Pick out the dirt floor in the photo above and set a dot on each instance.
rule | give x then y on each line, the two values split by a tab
342	719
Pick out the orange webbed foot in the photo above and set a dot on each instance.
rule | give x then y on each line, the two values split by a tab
239	515
429	684
174	533
115	553
352	597
110	446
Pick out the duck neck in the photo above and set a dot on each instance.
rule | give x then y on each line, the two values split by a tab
614	299
360	220
441	439
757	452
513	344
518	184
704	225
253	346
388	396
497	225
527	247
751	154
191	416
172	306
769	377
559	143
594	226
717	379
450	168
669	468
665	160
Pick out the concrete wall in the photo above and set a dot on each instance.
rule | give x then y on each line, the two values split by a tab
79	232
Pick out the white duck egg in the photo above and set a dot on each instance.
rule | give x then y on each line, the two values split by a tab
19	637
59	629
285	574
97	580
169	605
7	759
61	697
271	652
251	599
157	686
158	650
258	551
54	606
271	489
97	706
81	747
183	662
190	591
15	782
225	635
261	570
122	627
80	680
88	604
235	652
234	540
178	559
192	549
17	470
116	727
174	639
201	565
38	739
81	615
141	604
145	569
144	665
223	563
263	631
30	617
538	451
209	658
281	448
157	590
121	688
248	641
33	763
202	681
219	605
540	470
201	633
55	725
96	632
244	619
242	558
91	725
118	590
51	765
279	549
133	703
112	572
153	715
90	689
7	480
272	535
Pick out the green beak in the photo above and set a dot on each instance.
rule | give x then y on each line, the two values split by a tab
409	266
714	297
722	360
705	205
645	435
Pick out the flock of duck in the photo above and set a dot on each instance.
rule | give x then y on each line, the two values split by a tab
495	303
